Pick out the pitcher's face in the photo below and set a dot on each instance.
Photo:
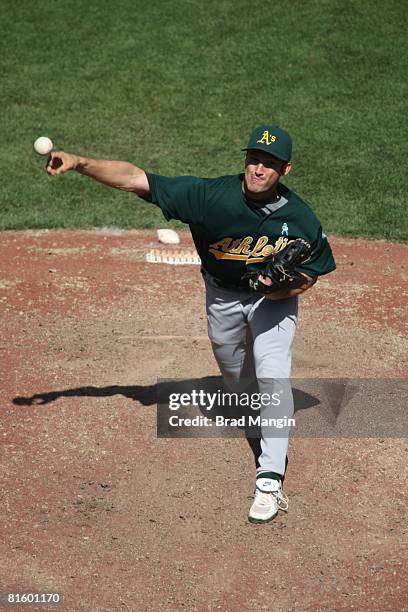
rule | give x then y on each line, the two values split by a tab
262	174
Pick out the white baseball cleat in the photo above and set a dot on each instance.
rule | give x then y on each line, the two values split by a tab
269	498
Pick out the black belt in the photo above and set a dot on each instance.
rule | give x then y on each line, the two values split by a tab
224	284
228	285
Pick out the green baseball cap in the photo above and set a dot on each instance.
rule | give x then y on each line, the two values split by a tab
273	140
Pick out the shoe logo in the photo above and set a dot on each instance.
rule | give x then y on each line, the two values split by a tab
264	485
285	229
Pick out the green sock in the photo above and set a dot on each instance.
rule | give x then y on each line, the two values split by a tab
271	475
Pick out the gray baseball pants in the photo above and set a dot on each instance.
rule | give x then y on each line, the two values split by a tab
252	339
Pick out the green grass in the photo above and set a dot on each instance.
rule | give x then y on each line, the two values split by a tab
176	87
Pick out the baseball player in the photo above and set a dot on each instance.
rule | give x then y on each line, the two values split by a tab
238	224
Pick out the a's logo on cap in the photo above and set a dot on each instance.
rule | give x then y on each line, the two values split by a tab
267	138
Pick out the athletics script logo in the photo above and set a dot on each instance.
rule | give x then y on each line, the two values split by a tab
241	249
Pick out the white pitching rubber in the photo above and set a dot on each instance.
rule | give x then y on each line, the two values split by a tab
172	257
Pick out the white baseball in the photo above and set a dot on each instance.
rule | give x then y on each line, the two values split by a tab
43	145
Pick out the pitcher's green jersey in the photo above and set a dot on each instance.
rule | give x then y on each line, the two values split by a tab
230	231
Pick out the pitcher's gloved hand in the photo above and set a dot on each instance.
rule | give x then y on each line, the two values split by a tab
280	268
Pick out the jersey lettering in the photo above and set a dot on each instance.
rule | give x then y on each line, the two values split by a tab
236	246
242	245
280	244
222	244
228	248
239	249
257	250
267	250
246	248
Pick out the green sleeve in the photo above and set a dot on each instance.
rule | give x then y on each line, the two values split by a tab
180	197
322	260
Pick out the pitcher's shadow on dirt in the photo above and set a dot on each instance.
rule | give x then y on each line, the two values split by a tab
159	393
149	395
